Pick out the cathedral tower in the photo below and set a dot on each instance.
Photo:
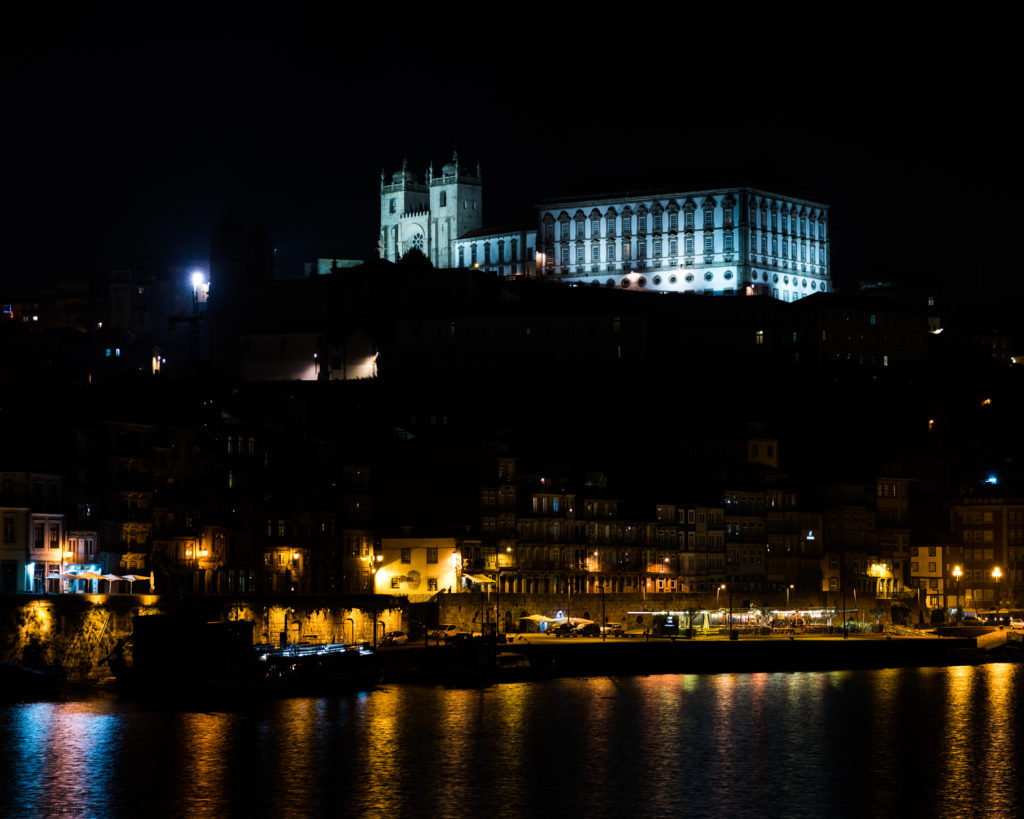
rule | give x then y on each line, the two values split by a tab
429	217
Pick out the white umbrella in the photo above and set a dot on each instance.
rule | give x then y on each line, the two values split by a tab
110	578
131	578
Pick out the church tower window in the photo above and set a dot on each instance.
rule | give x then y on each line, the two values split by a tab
472	254
444	199
391	206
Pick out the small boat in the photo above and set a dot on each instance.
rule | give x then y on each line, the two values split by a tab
176	658
18	682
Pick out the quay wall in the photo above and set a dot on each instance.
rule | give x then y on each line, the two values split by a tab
77	632
468	610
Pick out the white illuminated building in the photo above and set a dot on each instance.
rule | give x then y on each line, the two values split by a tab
429	216
730	241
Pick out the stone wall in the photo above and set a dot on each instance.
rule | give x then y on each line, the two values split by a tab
77	632
468	610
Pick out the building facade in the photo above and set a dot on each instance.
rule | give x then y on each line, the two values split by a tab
732	241
428	216
722	242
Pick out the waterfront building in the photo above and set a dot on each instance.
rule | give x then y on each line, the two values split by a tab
990	533
417	567
928	575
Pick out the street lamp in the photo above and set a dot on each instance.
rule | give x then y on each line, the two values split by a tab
787	595
732	634
996	574
956	573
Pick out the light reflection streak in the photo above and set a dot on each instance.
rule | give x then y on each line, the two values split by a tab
204	742
64	753
959	714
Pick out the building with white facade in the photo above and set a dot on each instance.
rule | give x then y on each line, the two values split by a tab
729	241
428	216
417	567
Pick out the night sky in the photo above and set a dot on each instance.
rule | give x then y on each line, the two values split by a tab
125	150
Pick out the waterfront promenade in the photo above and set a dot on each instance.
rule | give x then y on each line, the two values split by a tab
550	656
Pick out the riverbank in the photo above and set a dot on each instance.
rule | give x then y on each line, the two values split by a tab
548	657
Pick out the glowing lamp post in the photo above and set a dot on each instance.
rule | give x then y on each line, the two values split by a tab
957	571
996	575
790	586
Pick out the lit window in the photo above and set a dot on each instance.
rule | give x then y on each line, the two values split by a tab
432	554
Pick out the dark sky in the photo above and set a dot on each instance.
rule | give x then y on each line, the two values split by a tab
126	149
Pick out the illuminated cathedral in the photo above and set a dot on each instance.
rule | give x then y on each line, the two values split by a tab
728	241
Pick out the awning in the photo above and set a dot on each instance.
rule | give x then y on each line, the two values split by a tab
477	578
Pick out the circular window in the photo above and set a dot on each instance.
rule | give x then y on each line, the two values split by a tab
689	277
624	282
728	274
804	283
775	278
765	274
785	279
641	282
823	287
672	279
709	276
656	281
813	285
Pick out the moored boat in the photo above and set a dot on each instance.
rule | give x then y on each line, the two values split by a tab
172	658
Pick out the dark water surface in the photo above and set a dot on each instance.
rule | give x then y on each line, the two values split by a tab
926	742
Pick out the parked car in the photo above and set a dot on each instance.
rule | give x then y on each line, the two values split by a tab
563	630
590	630
395	638
612	629
1017	622
445	632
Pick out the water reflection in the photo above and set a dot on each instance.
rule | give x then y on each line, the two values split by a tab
933	742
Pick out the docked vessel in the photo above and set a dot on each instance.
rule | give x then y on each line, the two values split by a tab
175	658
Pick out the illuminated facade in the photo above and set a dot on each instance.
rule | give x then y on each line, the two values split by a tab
429	216
990	534
723	242
417	568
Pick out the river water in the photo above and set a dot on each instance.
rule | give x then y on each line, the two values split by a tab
928	742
